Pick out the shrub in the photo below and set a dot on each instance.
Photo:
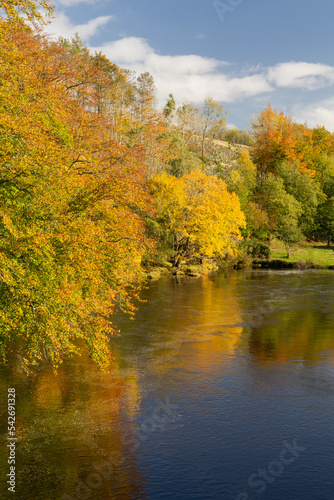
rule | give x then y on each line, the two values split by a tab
257	249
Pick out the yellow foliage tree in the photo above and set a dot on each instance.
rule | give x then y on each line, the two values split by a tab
31	9
204	218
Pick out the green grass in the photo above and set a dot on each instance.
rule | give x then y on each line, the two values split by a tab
305	254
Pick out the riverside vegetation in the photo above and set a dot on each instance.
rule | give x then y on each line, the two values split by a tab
98	188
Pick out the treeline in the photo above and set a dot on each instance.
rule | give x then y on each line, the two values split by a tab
284	181
96	183
294	186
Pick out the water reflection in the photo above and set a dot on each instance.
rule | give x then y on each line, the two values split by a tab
295	318
215	347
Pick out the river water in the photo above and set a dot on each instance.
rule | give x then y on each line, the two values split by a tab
221	388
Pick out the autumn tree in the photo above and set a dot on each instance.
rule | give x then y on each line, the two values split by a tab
299	158
146	94
275	141
204	218
72	205
316	145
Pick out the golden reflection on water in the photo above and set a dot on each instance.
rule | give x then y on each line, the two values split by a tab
197	335
78	418
70	422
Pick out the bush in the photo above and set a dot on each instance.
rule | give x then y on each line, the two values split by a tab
257	249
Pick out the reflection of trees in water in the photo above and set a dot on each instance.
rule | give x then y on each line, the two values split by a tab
285	315
69	422
188	324
299	334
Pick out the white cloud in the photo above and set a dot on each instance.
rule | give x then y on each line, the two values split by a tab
302	75
220	86
320	113
63	27
182	65
190	77
137	52
127	51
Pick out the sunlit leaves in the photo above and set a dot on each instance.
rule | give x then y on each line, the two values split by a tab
72	195
203	216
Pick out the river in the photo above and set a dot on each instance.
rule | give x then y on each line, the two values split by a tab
221	388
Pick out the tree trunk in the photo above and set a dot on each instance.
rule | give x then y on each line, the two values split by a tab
177	260
329	239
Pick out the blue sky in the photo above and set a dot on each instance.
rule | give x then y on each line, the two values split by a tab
243	53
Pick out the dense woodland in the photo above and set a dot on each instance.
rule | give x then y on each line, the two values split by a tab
97	183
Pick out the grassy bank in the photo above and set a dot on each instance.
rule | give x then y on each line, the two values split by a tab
315	254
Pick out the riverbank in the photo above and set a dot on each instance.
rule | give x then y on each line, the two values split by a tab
191	270
305	256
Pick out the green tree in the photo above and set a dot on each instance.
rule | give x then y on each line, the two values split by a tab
283	210
305	189
325	214
241	177
289	232
236	136
326	220
183	159
257	222
169	109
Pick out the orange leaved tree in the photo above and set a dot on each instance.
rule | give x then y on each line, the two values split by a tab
72	198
